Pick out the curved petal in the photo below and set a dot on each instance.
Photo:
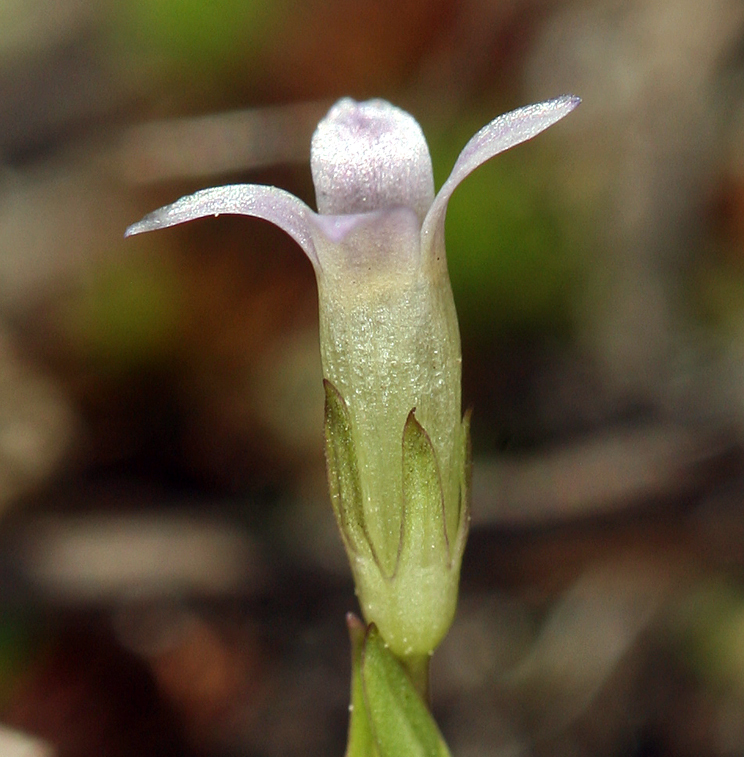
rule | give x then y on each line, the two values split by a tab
269	203
504	132
370	156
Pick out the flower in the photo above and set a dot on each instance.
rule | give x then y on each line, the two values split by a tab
396	442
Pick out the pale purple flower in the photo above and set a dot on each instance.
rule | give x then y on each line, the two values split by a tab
390	346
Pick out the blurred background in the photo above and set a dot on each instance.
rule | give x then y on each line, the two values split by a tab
171	581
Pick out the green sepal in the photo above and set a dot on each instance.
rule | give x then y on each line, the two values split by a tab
343	473
424	541
401	723
361	741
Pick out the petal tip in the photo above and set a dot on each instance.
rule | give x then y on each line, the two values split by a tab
150	222
566	103
136	228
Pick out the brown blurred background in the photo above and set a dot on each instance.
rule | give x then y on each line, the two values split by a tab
171	582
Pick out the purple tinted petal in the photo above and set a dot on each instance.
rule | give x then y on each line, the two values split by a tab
370	156
504	132
336	228
366	244
269	203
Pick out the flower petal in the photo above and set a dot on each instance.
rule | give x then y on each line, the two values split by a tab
367	246
269	203
370	156
502	133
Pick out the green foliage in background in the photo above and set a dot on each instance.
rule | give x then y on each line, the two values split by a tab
129	315
709	630
17	648
197	36
716	293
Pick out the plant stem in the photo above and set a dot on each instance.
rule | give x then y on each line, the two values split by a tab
417	667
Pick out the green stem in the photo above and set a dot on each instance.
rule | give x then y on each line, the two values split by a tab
361	741
417	667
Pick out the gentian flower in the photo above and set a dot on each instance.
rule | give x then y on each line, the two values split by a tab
397	447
